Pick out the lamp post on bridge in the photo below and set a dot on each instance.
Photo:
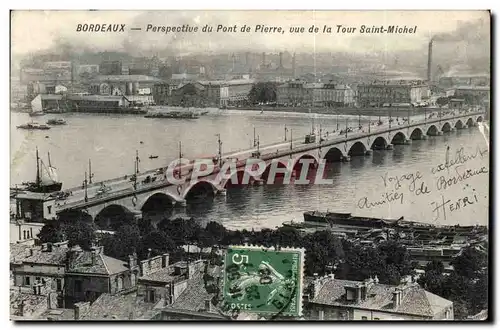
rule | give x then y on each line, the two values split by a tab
286	130
337	121
291	139
359	120
346	123
220	150
390	119
86	199
254	139
91	175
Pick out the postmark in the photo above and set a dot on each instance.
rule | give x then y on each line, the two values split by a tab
263	280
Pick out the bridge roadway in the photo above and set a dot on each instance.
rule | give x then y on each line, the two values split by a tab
124	187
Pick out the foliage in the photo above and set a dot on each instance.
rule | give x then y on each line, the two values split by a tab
442	101
51	232
263	92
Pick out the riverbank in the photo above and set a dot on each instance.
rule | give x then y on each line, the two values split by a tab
395	112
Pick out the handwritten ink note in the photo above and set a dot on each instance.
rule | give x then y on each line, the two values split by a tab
457	183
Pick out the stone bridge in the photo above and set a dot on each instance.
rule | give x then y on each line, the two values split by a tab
132	202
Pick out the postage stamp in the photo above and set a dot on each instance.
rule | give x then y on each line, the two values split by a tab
264	280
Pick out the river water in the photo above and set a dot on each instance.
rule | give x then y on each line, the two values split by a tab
111	141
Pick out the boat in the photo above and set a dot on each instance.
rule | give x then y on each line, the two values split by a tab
34	126
58	121
46	178
153	157
36	107
173	114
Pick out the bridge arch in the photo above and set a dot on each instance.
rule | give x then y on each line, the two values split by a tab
479	119
334	154
357	149
297	165
156	200
432	130
281	166
417	133
470	122
380	143
459	124
446	127
398	138
239	177
113	216
200	190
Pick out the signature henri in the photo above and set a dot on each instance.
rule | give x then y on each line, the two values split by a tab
460	203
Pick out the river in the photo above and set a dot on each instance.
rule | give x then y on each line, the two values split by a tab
111	141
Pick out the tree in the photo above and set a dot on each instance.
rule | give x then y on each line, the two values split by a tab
79	233
434	278
216	230
182	231
125	241
442	101
51	232
470	262
263	92
322	249
158	242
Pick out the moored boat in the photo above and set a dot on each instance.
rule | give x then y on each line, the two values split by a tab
173	114
34	126
57	121
46	178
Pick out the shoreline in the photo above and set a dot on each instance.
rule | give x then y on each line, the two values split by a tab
395	112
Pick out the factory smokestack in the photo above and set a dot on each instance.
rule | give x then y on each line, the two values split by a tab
429	62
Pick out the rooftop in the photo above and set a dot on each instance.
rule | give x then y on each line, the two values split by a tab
103	264
414	301
127	78
477	88
96	97
166	274
119	307
56	256
194	297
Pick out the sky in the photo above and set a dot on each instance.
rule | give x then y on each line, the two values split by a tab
32	31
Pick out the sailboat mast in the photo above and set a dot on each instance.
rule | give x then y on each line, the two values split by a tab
37	168
48	156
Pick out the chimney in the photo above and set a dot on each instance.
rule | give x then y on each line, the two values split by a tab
375	280
81	309
208	305
132	260
315	288
396	298
21	306
429	62
166	259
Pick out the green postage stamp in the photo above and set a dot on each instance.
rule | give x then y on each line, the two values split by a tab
264	280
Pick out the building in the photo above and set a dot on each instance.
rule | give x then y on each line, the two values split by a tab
203	94
110	68
90	69
473	95
91	273
333	299
160	281
40	265
97	103
449	81
383	93
195	302
162	92
300	93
